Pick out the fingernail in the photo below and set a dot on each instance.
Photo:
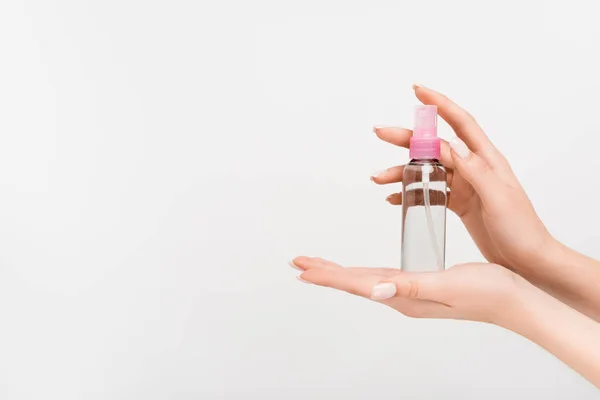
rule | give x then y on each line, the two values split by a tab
460	147
303	280
389	198
376	174
291	264
418	85
383	291
377	127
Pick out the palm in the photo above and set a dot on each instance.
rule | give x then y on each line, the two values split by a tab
467	291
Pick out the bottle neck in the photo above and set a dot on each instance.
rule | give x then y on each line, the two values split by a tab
423	161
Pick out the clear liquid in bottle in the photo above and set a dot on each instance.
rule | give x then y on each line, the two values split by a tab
424	201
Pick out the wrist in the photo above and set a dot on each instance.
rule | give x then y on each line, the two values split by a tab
548	253
515	312
548	268
571	336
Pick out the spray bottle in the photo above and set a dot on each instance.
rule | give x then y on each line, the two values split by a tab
424	198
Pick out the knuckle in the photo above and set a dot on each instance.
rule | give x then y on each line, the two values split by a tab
413	290
477	163
466	122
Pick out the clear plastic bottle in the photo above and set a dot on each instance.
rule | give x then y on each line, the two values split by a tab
424	198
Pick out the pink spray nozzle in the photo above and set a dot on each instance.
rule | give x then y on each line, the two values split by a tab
424	143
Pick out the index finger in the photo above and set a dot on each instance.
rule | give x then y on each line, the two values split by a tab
398	136
463	123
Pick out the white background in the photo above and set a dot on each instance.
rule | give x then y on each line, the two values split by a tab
161	161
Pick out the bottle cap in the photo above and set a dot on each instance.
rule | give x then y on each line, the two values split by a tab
424	143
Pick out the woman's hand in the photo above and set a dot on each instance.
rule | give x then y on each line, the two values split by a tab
478	291
487	196
485	193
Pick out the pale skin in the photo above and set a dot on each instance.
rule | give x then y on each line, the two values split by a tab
532	285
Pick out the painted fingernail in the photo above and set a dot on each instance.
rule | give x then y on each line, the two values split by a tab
383	291
303	280
460	147
291	264
376	174
418	85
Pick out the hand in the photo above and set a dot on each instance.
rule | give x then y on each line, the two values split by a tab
485	193
478	291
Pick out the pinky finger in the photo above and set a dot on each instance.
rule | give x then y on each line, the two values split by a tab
394	199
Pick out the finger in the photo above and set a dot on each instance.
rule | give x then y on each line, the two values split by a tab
343	279
398	136
395	174
394	199
463	200
401	137
417	286
306	263
416	197
363	285
474	170
390	175
445	156
463	123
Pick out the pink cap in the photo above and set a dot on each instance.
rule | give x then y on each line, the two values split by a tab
424	142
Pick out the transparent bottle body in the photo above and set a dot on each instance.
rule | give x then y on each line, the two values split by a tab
424	200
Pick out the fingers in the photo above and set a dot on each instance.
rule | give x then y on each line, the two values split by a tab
407	293
401	137
343	279
305	263
394	199
390	175
445	156
463	124
417	286
403	292
309	263
374	283
474	170
398	136
436	198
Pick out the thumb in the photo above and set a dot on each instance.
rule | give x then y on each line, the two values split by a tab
418	286
474	169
